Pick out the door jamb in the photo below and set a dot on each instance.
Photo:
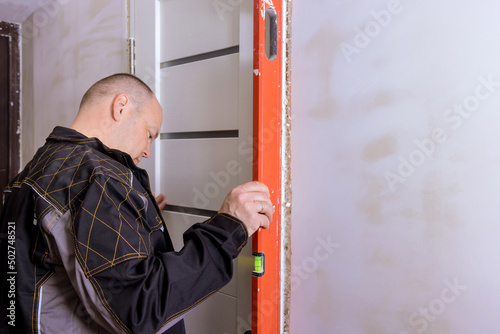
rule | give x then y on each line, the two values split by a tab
12	31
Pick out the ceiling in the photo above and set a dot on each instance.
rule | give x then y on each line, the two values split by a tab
17	11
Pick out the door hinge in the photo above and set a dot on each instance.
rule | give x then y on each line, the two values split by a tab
131	55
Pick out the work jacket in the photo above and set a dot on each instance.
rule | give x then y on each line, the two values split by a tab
84	248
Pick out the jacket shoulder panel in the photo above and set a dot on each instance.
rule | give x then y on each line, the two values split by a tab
61	172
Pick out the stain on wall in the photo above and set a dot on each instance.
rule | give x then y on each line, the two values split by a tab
380	148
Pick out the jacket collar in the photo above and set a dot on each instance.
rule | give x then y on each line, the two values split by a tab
69	135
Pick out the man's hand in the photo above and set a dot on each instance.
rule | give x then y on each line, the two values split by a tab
160	199
250	203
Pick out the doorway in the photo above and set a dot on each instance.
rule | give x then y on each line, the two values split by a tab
219	81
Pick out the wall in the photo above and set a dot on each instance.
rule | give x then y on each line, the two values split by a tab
395	167
67	46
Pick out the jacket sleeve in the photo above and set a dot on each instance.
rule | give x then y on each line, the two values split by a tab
143	289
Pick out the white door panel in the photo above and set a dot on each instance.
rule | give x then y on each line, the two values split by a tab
198	173
201	96
216	315
193	27
205	147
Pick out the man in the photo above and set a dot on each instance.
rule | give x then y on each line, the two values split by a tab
92	254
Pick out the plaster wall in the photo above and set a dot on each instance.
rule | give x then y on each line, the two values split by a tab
67	46
395	167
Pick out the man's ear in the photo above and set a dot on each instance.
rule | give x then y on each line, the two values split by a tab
119	103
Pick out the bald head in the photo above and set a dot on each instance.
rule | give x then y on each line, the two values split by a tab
122	112
121	83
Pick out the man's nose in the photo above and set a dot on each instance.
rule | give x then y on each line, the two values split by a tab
147	151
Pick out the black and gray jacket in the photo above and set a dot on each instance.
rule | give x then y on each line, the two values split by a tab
84	249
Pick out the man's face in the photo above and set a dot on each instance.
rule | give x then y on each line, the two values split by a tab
140	130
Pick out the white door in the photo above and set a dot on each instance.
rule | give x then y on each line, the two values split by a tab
197	56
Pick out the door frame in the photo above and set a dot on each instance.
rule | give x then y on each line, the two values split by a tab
12	32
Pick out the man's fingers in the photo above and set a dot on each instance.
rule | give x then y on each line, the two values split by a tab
160	199
254	186
251	203
264	207
264	221
261	209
